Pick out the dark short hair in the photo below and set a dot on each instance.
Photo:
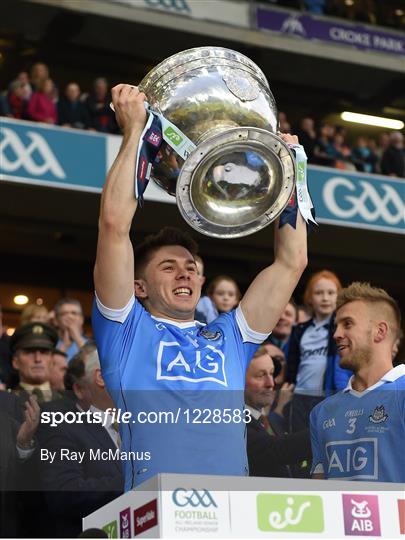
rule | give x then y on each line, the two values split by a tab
74	373
168	236
76	369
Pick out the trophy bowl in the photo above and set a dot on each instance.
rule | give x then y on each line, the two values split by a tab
241	175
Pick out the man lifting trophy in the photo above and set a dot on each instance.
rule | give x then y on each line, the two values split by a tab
203	126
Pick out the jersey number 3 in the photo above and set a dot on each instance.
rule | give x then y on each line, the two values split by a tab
352	426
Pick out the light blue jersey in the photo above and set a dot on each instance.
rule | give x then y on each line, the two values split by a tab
194	374
361	435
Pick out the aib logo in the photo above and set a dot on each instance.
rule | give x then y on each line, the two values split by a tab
194	498
125	523
346	200
36	157
361	515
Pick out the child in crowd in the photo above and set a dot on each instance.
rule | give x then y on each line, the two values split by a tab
35	313
224	293
312	362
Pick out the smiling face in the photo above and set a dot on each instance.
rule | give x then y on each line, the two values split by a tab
323	298
225	296
354	335
170	286
259	383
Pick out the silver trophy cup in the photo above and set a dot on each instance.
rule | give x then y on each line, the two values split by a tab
241	175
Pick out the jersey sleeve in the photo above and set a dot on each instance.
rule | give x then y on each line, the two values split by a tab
317	454
113	329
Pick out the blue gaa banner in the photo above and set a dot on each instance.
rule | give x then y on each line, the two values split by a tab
358	200
73	159
53	156
330	30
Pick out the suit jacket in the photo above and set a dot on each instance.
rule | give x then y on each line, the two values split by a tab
10	466
73	489
11	405
269	455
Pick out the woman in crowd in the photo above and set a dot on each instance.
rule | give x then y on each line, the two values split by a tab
313	363
41	106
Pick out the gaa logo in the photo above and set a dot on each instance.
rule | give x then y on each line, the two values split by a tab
36	157
176	5
192	497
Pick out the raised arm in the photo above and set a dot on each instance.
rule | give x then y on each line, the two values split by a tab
272	288
114	268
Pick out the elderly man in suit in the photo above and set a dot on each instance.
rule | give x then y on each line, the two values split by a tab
76	486
269	452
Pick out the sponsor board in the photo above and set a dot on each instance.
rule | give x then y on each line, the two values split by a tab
290	513
111	529
226	12
361	515
308	27
401	512
145	517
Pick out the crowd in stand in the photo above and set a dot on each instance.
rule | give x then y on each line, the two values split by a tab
327	146
35	97
385	13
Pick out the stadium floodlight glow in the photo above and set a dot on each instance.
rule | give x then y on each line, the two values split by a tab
20	299
369	120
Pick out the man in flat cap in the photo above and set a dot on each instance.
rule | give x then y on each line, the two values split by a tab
31	346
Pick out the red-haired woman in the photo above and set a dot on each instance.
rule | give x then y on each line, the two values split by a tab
313	363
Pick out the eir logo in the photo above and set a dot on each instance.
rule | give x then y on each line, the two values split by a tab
175	364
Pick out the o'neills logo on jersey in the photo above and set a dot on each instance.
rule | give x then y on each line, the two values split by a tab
196	365
145	517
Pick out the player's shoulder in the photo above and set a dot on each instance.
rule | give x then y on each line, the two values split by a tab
328	404
396	377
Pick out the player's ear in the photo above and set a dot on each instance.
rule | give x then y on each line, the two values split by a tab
381	331
140	288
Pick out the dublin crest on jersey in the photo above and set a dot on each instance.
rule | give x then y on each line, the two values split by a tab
207	334
378	415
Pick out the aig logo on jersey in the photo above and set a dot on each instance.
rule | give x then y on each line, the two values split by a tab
190	364
357	459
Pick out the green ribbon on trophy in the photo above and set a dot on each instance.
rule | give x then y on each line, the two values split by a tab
301	199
